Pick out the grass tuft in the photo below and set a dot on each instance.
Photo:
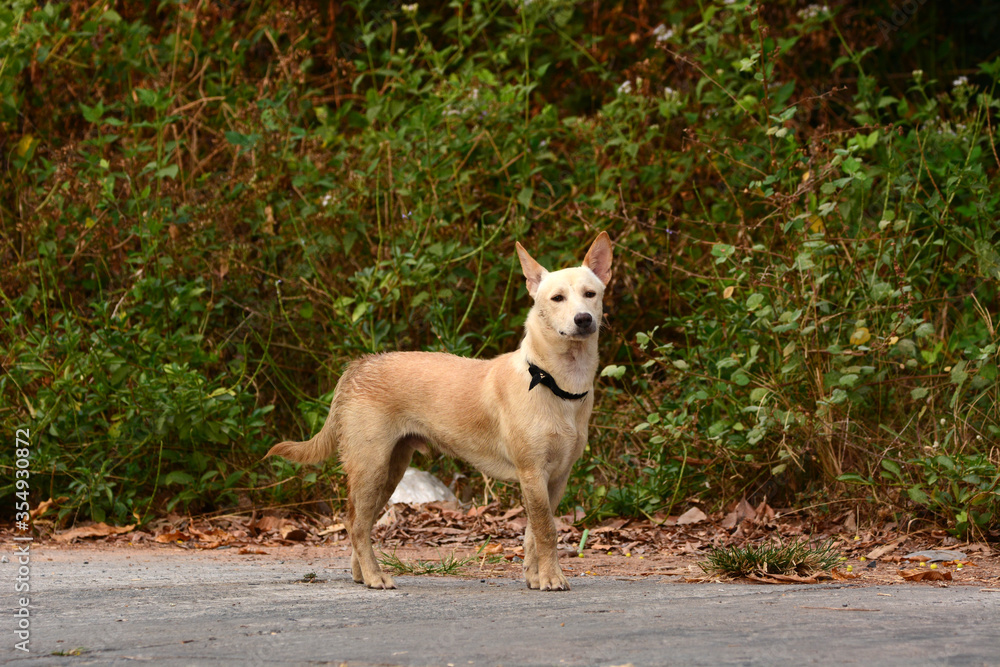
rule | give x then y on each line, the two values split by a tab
762	559
447	565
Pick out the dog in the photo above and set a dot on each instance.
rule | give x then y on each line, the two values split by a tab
521	416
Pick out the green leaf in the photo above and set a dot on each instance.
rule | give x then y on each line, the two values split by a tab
918	495
359	311
958	373
613	371
918	393
853	477
893	468
178	477
754	301
242	140
170	171
848	380
525	195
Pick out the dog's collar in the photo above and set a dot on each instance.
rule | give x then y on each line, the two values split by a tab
539	376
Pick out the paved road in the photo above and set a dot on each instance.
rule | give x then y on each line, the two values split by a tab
187	608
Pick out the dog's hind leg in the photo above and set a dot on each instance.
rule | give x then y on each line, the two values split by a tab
369	489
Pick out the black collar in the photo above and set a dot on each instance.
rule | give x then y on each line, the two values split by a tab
539	376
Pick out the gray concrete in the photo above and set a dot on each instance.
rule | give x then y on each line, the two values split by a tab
189	608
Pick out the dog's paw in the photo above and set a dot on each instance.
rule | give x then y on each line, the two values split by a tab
380	580
551	582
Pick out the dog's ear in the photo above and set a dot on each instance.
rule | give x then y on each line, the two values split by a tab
598	258
533	271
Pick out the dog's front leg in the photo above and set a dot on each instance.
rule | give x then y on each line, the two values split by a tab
541	563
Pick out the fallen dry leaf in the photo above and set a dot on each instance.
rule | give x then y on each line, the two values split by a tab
293	533
94	530
46	505
493	549
693	515
885	548
843	576
270	523
329	530
247	550
172	536
740	513
783	579
924	574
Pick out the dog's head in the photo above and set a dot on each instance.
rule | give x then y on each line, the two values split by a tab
568	303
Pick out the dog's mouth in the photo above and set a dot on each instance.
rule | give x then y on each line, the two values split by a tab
580	333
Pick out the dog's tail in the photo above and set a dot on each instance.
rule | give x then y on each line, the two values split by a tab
317	448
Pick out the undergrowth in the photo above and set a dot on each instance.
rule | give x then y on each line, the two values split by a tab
447	565
207	209
793	558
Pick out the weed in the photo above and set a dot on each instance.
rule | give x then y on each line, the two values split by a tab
445	566
796	558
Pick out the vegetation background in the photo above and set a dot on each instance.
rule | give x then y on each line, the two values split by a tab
206	208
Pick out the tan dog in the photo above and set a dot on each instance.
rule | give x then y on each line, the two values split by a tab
521	416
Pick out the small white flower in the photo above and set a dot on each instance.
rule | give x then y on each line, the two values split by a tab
812	11
410	9
960	81
918	74
625	88
662	33
943	422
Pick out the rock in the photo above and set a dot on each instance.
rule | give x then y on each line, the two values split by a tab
936	556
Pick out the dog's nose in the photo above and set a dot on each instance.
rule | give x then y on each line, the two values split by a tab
583	320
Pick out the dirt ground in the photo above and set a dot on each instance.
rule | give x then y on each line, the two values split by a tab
486	542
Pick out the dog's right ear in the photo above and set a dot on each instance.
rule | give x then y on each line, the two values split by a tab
532	270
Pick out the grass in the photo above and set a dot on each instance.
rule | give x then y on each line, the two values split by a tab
448	565
762	559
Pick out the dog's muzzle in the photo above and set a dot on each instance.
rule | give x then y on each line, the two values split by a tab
585	324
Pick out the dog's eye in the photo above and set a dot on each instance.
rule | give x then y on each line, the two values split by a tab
590	294
558	297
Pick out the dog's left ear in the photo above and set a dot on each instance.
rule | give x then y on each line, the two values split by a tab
598	258
533	271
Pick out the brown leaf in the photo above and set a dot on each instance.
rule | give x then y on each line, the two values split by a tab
924	574
511	513
45	505
843	576
95	530
884	549
784	579
248	550
741	512
172	536
693	515
293	533
329	530
493	548
268	524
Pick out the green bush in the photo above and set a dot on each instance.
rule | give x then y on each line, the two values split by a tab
213	208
